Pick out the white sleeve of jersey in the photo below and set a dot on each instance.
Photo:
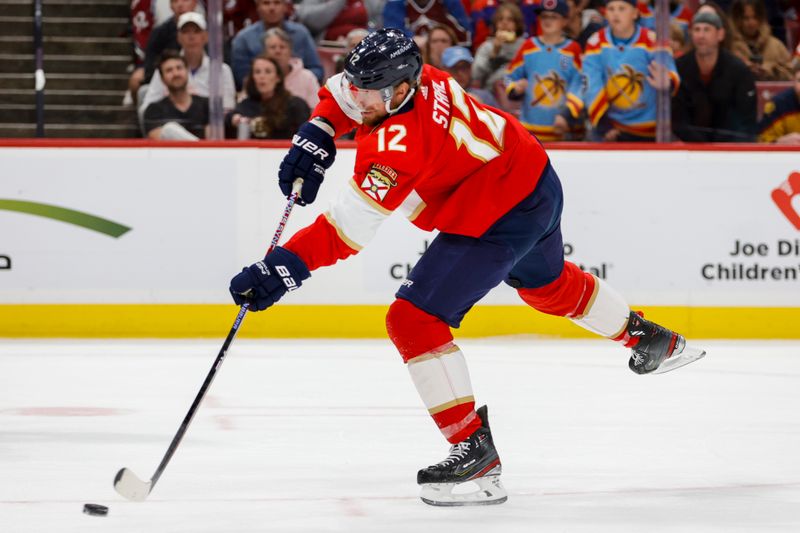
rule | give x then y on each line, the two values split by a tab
334	85
355	218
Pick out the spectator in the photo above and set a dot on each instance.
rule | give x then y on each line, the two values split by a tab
332	20
249	42
769	59
677	39
582	24
178	116
458	62
733	42
192	37
482	12
717	98
781	121
439	38
420	17
623	76
269	111
546	74
298	80
351	41
492	57
142	23
162	37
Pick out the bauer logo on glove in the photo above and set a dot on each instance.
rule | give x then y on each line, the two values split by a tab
263	283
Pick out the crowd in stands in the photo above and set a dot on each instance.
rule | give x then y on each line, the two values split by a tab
569	69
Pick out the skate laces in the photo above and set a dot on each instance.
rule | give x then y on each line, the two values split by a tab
457	452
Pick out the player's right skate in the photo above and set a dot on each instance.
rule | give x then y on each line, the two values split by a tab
474	459
657	349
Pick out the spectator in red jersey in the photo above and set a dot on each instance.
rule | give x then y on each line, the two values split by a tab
769	59
142	22
298	80
420	17
269	111
439	38
492	57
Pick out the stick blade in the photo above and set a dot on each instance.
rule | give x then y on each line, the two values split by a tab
130	487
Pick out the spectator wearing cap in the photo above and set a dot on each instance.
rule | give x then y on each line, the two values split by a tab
546	75
179	115
419	17
624	70
769	59
781	121
249	42
717	98
492	57
164	36
192	37
457	61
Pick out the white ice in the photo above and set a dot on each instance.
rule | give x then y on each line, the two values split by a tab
327	436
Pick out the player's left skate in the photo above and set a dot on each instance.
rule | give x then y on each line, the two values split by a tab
473	460
657	349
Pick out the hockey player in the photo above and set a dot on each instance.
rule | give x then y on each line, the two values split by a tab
546	73
427	149
622	76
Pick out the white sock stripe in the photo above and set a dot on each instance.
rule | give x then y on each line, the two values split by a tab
607	314
442	379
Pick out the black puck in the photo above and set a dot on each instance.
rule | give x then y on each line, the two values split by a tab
95	509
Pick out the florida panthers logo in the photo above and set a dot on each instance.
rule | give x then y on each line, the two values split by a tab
378	182
625	87
549	90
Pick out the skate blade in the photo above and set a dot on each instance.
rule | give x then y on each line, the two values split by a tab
688	355
490	492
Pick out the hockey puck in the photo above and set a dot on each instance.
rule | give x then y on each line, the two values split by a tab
95	509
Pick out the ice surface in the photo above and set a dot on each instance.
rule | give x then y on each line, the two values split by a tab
327	436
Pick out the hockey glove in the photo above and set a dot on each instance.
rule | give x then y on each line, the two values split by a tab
264	283
311	154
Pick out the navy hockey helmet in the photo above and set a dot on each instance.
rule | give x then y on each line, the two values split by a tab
383	59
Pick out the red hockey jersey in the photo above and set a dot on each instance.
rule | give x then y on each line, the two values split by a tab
447	163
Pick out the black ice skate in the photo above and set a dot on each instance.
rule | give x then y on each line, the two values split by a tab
473	459
657	349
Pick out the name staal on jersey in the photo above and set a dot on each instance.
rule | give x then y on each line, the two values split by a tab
444	161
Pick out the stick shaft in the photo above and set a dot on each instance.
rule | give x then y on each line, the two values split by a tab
176	440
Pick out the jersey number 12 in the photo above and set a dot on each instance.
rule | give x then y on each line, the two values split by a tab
482	149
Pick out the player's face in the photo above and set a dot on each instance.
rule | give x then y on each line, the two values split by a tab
621	17
265	76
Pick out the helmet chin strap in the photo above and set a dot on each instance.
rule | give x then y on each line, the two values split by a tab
388	103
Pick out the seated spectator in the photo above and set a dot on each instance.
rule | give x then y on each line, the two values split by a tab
179	116
582	24
716	101
495	53
420	17
269	111
353	38
677	39
733	41
546	74
781	121
249	42
192	37
482	13
623	76
298	80
439	38
162	37
769	59
458	61
332	20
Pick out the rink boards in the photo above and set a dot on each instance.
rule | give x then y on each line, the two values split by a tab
138	240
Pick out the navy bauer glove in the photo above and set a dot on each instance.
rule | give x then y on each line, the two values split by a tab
264	283
311	154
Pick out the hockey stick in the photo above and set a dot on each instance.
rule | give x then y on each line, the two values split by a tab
128	484
38	74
